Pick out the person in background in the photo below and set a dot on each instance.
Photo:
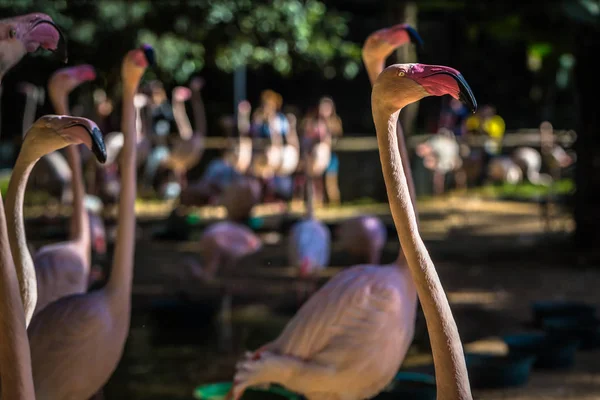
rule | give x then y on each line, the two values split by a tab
314	130
334	129
268	122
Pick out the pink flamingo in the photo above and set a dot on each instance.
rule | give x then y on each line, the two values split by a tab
348	340
365	236
77	341
63	269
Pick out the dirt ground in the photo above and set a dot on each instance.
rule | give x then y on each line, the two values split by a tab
494	259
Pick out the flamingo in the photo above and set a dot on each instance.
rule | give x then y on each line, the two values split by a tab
240	197
84	334
34	97
63	269
25	34
365	236
309	246
223	244
15	363
348	340
187	150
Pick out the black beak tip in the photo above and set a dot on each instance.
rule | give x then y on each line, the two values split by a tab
414	36
150	55
98	146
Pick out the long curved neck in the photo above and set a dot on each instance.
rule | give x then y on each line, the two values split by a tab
15	360
181	120
200	126
16	233
448	357
29	113
121	277
374	67
80	223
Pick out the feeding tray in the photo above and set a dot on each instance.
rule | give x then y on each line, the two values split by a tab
551	351
410	385
587	330
561	308
487	370
218	391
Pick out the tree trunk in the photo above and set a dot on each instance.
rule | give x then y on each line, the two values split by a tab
587	173
406	12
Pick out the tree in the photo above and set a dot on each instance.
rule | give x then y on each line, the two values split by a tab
289	35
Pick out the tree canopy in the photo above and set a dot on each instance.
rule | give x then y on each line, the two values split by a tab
289	35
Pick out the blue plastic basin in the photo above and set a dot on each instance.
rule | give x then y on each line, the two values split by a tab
587	330
410	385
218	391
488	371
551	351
560	308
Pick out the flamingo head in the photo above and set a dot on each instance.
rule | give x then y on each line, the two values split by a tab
181	94
416	81
380	44
25	34
135	63
63	81
53	132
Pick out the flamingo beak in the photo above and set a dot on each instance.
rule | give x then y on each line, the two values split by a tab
61	46
97	142
465	93
414	36
150	55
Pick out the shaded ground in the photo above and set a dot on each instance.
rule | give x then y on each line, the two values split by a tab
492	258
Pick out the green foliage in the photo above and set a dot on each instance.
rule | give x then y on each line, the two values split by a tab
289	35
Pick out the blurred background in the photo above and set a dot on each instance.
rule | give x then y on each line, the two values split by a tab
506	196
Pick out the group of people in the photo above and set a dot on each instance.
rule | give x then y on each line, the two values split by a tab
469	147
276	152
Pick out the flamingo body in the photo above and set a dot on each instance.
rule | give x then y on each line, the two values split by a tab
309	246
364	308
363	236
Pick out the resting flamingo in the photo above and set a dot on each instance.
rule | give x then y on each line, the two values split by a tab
365	236
83	335
348	340
309	246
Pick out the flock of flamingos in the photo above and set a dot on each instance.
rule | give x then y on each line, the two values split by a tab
60	341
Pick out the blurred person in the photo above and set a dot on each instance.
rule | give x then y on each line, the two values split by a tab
328	113
314	130
268	122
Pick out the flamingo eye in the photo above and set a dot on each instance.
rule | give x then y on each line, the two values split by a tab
401	73
12	33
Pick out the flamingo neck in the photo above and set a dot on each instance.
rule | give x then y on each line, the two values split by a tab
15	361
16	232
182	120
452	379
199	112
374	66
121	277
80	222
